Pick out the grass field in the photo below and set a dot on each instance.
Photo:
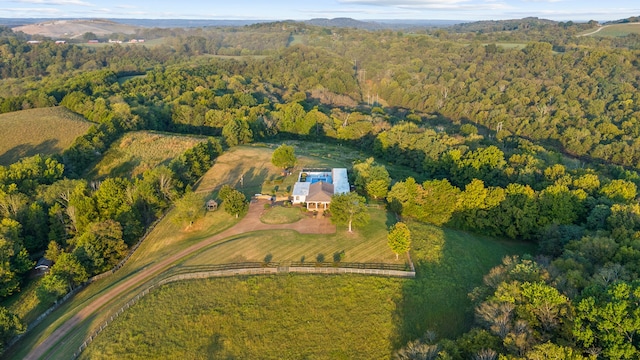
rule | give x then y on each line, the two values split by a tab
368	244
615	30
315	317
26	305
252	165
318	317
137	152
38	131
506	45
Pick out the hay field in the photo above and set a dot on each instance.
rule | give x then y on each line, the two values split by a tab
139	151
38	131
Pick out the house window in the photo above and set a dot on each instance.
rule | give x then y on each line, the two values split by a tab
297	198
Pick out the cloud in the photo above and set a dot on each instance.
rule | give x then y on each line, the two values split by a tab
456	5
55	2
542	1
23	12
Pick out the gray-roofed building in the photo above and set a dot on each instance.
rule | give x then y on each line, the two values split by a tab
315	187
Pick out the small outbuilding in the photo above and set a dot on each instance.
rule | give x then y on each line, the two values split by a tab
212	205
44	264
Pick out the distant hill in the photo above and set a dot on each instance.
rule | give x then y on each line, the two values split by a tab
381	23
503	25
631	19
345	23
70	29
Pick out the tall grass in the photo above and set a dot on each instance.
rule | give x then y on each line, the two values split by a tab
275	317
137	152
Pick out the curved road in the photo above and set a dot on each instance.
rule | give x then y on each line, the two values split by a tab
251	222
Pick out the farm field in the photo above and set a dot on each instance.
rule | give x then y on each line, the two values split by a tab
329	317
38	131
137	152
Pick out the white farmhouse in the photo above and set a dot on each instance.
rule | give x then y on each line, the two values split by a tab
315	187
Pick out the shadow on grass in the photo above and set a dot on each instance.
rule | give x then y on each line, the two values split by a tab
449	264
18	152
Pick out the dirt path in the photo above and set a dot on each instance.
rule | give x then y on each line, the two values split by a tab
251	222
593	32
603	27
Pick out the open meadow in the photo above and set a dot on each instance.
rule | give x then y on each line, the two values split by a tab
139	151
38	131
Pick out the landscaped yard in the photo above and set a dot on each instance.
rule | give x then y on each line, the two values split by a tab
368	244
281	215
38	131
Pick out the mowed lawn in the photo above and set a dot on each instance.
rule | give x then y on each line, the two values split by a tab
310	316
139	151
38	131
367	244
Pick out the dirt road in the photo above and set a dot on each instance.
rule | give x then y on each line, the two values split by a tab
251	222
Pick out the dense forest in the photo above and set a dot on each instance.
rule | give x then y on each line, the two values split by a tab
536	142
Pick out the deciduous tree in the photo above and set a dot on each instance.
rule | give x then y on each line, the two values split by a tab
349	209
235	203
399	238
284	156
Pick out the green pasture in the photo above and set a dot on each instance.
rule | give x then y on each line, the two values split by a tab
44	131
389	311
618	30
139	151
267	317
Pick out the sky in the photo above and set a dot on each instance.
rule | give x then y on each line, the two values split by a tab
561	10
